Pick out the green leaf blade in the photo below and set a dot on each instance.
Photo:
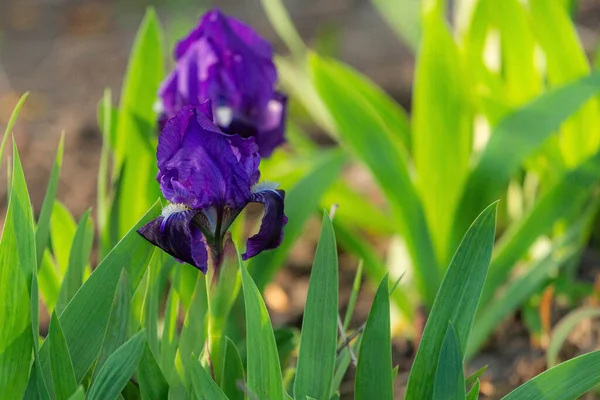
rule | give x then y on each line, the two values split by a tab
456	302
42	231
233	372
117	370
564	381
17	264
264	372
63	375
374	368
450	377
316	358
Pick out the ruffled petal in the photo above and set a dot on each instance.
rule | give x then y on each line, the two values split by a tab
200	166
270	233
178	236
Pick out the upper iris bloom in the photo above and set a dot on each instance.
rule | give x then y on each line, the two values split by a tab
227	62
209	177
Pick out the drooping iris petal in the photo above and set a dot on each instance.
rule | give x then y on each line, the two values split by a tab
178	236
270	233
226	61
200	166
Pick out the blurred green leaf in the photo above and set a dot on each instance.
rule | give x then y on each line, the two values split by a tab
264	372
383	154
300	203
137	123
518	291
566	61
78	258
204	386
563	329
49	281
404	17
107	120
353	294
374	267
153	385
296	81
63	376
441	125
85	318
456	302
374	369
233	372
515	138
473	394
42	231
62	233
471	380
316	357
372	218
11	123
564	381
117	370
517	44
449	376
567	196
282	24
17	261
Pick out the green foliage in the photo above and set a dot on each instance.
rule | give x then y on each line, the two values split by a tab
109	334
17	264
456	302
316	357
263	369
449	377
63	375
374	369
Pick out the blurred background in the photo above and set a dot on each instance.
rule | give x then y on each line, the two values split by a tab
66	52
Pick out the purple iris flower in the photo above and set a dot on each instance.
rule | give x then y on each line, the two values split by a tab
209	177
226	61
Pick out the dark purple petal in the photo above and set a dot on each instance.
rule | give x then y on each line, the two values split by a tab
178	236
200	166
226	61
270	233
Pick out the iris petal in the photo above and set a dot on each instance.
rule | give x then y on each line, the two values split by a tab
178	236
271	228
201	167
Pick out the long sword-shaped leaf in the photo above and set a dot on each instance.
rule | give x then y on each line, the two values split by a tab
118	369
456	302
450	375
42	231
264	372
316	357
565	381
441	126
17	263
11	123
374	368
63	376
136	125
